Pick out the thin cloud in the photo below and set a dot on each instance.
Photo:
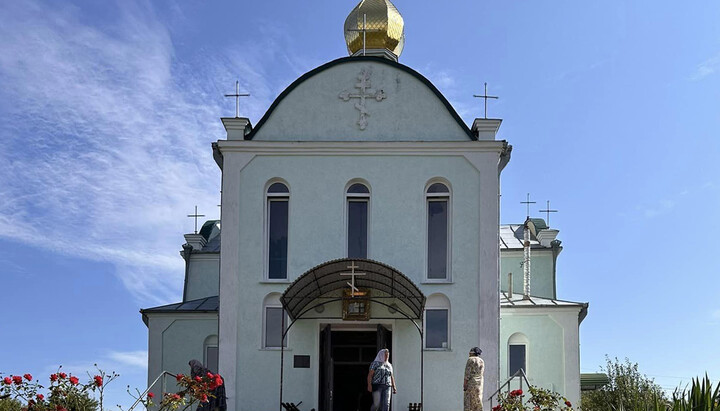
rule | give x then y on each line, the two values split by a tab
657	209
707	68
106	138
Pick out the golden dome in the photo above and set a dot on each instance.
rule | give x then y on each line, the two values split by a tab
384	28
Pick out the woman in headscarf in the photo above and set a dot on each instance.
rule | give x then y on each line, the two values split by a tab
473	383
380	380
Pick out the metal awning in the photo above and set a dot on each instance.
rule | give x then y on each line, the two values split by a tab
327	277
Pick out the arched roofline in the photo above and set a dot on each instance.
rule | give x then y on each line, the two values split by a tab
352	59
325	278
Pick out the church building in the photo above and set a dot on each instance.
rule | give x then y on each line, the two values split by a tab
361	213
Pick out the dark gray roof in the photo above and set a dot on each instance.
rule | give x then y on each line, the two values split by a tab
208	304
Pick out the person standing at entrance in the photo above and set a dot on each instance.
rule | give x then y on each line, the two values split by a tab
380	380
473	383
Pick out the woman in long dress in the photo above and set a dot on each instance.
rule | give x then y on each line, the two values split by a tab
473	383
380	380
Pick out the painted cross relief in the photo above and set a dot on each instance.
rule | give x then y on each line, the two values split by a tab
366	92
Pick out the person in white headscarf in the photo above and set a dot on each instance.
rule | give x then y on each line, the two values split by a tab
380	380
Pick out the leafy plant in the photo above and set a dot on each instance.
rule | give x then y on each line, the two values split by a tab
540	400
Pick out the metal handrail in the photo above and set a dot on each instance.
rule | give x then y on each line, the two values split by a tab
519	373
144	393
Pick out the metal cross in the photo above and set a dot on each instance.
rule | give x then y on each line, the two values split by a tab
352	275
365	92
237	96
548	211
196	215
486	97
364	30
528	202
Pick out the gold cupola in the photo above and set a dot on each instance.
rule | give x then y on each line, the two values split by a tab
382	25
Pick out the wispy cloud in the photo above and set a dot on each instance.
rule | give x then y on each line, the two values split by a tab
106	138
707	68
657	209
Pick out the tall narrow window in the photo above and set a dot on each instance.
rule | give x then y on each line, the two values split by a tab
437	322
274	327
358	198
438	202
517	353
211	353
277	228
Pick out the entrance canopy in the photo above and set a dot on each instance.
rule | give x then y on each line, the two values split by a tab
336	274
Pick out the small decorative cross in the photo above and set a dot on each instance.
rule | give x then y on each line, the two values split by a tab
364	30
548	211
486	97
365	92
352	275
196	215
237	96
528	202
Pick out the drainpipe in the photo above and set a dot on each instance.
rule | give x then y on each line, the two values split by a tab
556	249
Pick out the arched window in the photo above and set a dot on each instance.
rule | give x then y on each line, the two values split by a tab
437	197
210	353
437	322
273	322
358	200
517	353
278	197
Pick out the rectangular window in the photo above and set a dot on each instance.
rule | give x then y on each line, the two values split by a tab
273	327
357	228
211	358
277	238
517	358
437	239
436	328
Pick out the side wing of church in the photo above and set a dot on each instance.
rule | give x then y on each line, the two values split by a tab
360	213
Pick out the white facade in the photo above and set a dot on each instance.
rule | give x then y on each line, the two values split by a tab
310	141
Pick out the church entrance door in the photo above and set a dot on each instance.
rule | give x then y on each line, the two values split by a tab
345	357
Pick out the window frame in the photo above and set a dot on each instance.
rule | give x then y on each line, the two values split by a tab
269	198
518	338
357	197
436	197
264	345
425	329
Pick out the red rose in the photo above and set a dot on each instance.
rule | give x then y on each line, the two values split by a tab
7	380
62	375
568	403
218	380
40	397
98	380
198	379
175	397
28	377
74	380
519	392
497	407
150	395
53	377
17	379
179	377
204	398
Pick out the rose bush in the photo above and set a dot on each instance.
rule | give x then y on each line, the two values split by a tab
69	393
540	400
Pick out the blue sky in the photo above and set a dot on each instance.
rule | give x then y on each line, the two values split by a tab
108	111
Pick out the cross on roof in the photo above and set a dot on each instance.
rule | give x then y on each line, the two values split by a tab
548	211
486	97
527	203
196	215
364	30
352	275
237	96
